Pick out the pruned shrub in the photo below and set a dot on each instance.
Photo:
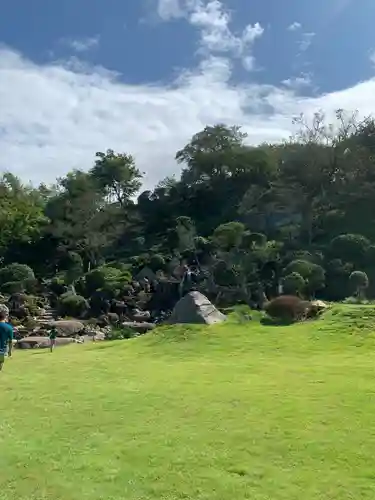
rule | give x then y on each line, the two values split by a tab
286	308
12	287
57	285
350	247
293	284
359	282
71	305
313	274
108	277
16	273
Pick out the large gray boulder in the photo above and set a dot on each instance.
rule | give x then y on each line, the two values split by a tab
42	342
68	328
195	308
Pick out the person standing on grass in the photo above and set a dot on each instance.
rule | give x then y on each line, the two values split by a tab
52	338
6	335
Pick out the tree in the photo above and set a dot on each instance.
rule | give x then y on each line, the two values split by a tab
81	220
21	213
117	175
359	282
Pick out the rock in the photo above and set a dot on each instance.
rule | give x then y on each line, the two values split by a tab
113	318
195	308
140	316
140	328
320	305
42	342
68	328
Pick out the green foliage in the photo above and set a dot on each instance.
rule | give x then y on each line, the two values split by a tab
21	213
120	333
312	274
157	262
71	305
229	235
16	273
247	216
250	240
117	175
350	247
293	284
12	287
224	274
359	283
58	285
107	278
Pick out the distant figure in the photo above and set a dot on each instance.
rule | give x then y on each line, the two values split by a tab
186	283
52	338
6	336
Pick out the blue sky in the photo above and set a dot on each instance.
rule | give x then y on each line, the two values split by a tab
142	76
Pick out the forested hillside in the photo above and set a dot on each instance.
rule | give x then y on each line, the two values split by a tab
299	214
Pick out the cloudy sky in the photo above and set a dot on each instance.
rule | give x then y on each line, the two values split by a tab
142	76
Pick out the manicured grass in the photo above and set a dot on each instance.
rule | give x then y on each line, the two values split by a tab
237	411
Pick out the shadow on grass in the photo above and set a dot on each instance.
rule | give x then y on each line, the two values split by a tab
276	322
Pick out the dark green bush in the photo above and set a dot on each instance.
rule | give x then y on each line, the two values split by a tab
109	276
157	262
359	282
16	272
57	285
293	284
72	305
12	287
120	334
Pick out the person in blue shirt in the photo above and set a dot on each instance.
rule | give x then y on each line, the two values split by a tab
6	336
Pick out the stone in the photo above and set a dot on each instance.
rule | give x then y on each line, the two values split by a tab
42	342
140	328
68	328
195	308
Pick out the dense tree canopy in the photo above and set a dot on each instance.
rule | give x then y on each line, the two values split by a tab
299	214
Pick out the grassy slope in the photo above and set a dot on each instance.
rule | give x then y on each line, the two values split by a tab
224	413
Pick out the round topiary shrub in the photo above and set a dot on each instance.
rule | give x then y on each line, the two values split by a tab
16	273
359	282
293	284
72	305
100	277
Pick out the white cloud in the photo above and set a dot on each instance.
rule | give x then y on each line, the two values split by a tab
213	22
306	41
82	44
296	83
55	117
294	26
169	9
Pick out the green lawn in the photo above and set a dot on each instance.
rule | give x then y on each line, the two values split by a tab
236	411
